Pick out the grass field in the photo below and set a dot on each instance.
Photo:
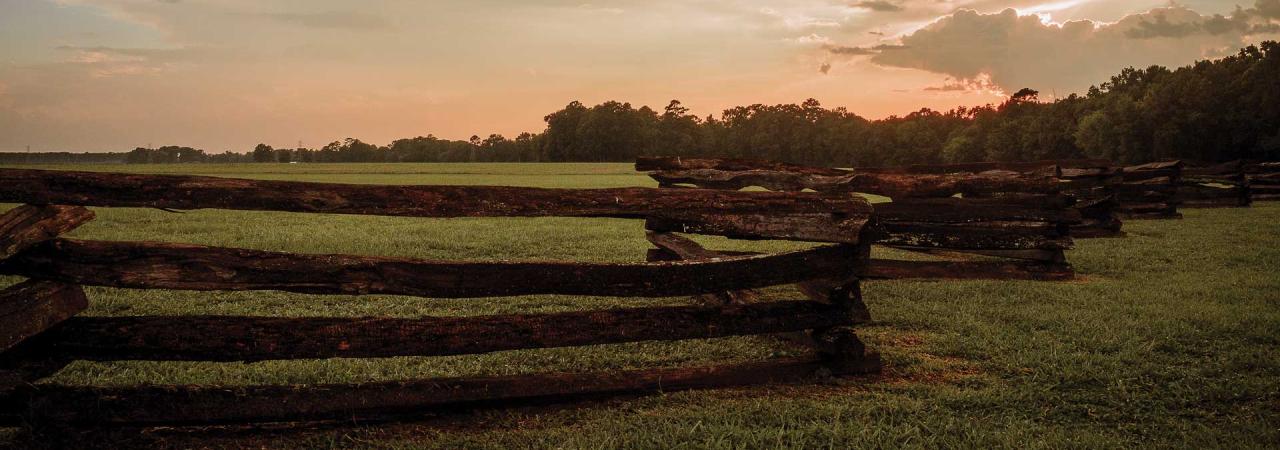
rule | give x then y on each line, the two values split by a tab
1171	338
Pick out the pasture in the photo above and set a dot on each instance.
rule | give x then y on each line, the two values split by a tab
1170	336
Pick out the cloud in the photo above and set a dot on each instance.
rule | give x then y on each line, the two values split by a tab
1016	51
878	5
981	83
344	20
1269	9
860	51
824	68
101	53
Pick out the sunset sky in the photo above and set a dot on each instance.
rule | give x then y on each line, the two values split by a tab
98	75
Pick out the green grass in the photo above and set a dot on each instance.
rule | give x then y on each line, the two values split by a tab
1170	339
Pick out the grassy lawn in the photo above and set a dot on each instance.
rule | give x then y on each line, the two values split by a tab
1171	337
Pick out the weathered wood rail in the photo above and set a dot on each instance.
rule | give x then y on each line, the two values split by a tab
1022	218
42	329
1263	180
1089	183
1219	186
1150	191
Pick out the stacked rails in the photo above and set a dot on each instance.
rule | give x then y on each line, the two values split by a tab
43	330
1150	191
1218	186
1091	182
1018	223
1264	181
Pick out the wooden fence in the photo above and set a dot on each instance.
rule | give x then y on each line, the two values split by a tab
1021	221
1219	186
1264	181
42	330
1150	191
1090	182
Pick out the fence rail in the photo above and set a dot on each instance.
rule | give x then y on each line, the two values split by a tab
1264	181
1219	186
43	331
1022	216
1150	191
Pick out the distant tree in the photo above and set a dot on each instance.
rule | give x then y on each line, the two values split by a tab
139	156
1210	111
1026	95
264	153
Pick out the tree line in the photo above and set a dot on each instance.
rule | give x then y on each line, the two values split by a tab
1211	111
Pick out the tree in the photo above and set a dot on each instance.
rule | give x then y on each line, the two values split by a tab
263	153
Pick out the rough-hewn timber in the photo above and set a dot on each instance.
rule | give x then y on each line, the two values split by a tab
983	236
657	163
664	163
1263	180
31	307
685	249
178	405
739	174
1218	186
151	265
223	338
1048	167
1150	191
895	186
194	192
963	210
27	225
1042	255
808	228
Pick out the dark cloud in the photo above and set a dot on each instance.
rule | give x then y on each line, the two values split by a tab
1177	22
1160	27
1012	51
824	68
878	5
1267	9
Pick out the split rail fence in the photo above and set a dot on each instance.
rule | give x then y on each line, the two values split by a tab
1088	183
43	329
1020	220
1264	181
1150	191
1219	186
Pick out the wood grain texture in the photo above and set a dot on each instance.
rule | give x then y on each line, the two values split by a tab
33	306
225	338
185	405
27	225
151	265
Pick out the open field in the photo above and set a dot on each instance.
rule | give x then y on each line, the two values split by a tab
1170	338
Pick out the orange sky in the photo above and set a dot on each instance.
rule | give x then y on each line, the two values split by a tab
85	75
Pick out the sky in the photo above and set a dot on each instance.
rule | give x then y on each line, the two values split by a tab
111	75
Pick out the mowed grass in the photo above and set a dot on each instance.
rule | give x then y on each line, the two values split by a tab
1169	338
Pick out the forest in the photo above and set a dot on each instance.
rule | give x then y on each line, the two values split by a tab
1211	111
